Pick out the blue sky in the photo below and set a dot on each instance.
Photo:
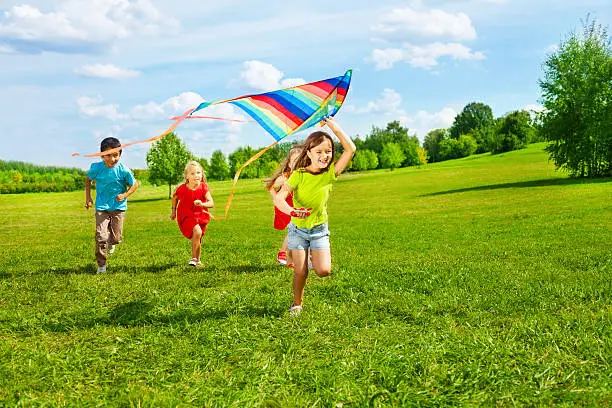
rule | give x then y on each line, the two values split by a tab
75	71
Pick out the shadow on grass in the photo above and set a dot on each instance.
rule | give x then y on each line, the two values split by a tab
149	200
90	269
138	313
523	184
240	269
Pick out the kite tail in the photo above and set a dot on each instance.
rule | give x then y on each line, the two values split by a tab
177	121
236	176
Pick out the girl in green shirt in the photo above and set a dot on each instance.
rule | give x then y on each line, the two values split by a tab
311	185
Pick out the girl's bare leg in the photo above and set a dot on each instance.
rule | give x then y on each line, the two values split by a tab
196	242
321	262
285	247
300	273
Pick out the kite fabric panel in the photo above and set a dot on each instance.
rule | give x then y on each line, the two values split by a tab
293	109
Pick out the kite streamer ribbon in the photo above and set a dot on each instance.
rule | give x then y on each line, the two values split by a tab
177	120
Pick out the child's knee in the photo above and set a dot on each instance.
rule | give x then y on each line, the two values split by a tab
300	272
197	232
323	272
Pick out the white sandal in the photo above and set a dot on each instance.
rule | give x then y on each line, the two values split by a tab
194	262
295	310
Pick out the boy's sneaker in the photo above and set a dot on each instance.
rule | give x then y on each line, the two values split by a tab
295	310
281	257
111	250
194	262
101	269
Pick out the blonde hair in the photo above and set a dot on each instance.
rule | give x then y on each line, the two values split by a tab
193	163
285	166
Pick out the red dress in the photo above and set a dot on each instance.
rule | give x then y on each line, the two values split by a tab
187	214
281	220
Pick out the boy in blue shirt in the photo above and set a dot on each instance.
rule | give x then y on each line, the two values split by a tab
115	182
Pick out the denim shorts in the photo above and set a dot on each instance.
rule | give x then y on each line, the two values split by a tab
303	238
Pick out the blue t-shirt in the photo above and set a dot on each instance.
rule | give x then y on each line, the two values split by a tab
110	182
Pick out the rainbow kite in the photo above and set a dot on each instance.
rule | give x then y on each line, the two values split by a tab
291	110
280	113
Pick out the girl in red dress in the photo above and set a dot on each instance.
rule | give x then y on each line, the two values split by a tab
190	204
273	184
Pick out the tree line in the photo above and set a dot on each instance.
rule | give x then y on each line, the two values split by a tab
475	130
21	177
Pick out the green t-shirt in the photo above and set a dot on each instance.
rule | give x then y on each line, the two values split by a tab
311	191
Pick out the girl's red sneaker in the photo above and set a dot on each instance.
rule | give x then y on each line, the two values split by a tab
281	257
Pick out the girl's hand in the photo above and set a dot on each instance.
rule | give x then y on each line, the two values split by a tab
121	197
300	212
88	204
331	122
173	215
198	203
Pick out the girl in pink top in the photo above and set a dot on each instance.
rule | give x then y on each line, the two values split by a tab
190	204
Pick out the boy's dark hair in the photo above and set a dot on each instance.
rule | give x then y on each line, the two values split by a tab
110	143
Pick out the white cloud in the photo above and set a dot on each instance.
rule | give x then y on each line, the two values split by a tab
152	111
400	24
385	59
534	108
79	26
423	56
262	76
388	104
180	103
108	71
423	122
93	107
552	49
5	49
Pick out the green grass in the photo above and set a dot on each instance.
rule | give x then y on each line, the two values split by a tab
481	281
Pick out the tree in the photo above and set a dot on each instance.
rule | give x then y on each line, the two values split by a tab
203	162
166	160
391	156
467	145
372	159
513	132
422	156
219	169
240	156
577	97
475	119
455	149
364	160
432	144
359	161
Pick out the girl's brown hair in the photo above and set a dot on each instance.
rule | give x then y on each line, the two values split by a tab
283	167
315	139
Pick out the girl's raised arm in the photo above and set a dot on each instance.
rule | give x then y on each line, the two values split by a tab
347	144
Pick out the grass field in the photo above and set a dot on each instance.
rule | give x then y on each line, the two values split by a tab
481	281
